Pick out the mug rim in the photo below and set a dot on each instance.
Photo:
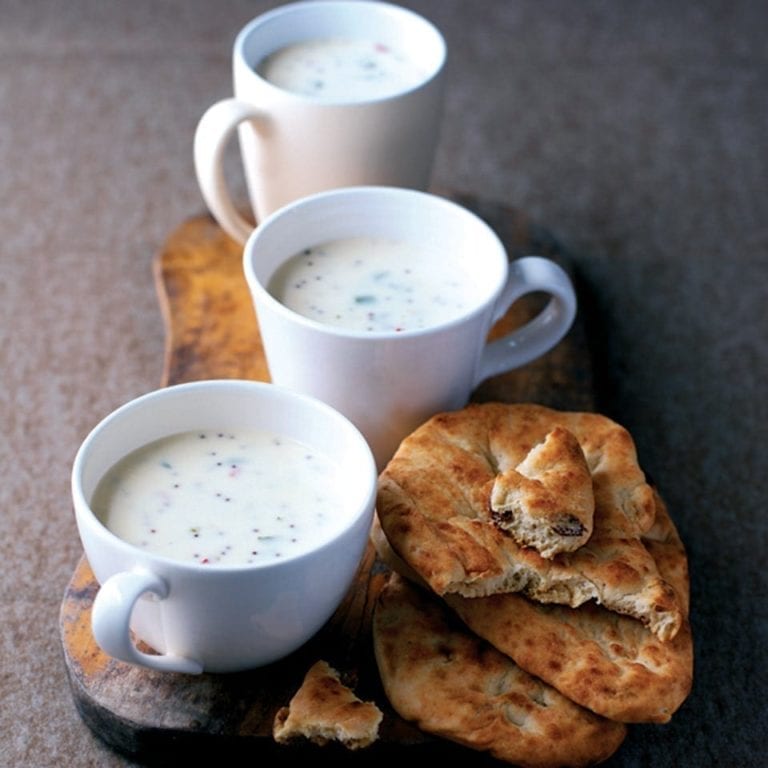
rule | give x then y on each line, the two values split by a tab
243	38
488	298
84	512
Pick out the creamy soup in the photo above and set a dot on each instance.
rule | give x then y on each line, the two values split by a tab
221	498
341	69
373	284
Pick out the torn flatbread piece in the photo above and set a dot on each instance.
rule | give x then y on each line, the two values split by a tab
434	507
325	710
546	501
454	685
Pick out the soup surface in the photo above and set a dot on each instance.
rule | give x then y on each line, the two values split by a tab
374	284
341	69
222	498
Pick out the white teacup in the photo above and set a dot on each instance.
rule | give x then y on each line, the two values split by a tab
296	141
388	380
200	615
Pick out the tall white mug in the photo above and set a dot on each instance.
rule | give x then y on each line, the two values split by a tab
389	380
327	118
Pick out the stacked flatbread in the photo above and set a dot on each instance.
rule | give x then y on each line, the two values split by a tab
453	684
532	533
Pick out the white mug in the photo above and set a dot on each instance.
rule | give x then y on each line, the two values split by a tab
214	617
389	382
293	144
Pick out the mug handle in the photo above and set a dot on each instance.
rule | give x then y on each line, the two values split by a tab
214	130
527	275
111	615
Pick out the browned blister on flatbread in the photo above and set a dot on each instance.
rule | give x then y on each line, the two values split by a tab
435	509
324	710
453	684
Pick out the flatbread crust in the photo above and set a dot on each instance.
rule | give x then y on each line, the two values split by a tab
452	684
324	710
434	507
608	663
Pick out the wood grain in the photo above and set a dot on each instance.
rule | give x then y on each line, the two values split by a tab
211	328
212	332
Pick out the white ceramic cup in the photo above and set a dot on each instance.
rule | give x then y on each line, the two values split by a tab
387	383
294	145
217	618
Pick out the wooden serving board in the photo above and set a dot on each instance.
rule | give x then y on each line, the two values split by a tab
212	332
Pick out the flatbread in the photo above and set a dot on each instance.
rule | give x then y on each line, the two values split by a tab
434	507
546	501
608	663
324	710
454	685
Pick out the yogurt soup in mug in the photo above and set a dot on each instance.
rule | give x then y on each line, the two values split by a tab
374	284
221	498
341	69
